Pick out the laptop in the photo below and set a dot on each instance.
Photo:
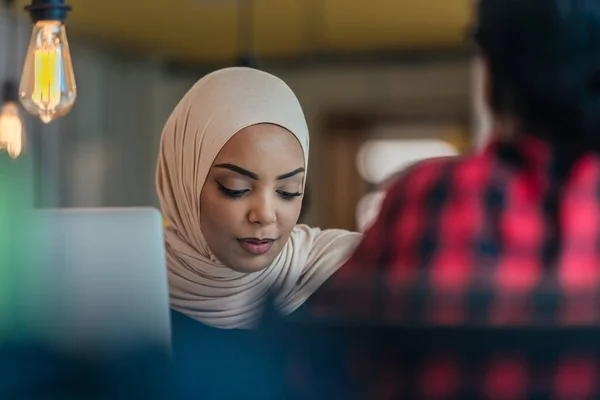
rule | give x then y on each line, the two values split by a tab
96	280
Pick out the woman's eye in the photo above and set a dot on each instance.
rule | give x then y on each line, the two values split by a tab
233	194
288	195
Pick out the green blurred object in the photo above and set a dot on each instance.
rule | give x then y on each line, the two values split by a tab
16	202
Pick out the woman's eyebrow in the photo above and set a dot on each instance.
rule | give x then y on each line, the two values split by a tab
290	174
252	175
238	170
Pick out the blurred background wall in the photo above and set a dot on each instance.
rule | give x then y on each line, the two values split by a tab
371	75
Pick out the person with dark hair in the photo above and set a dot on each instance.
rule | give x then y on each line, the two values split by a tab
527	208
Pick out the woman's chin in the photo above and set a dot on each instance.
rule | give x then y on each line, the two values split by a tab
248	263
255	265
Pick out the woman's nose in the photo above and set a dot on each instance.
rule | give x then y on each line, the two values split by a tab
262	211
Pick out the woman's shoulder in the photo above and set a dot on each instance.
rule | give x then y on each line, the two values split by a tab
303	231
319	242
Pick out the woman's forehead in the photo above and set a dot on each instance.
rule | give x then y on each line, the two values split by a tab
263	146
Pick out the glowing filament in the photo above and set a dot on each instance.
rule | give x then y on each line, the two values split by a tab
48	71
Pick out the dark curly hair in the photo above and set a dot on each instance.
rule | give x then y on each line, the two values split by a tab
543	58
544	63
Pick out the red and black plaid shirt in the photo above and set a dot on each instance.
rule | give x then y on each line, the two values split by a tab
508	220
507	237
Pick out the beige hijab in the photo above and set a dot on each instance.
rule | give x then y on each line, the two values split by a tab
216	108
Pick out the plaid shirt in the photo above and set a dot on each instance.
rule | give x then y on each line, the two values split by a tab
513	220
509	237
446	374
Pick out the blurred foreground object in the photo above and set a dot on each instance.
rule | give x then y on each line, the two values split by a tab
47	88
33	372
16	201
98	280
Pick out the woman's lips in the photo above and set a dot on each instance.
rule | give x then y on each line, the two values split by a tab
256	246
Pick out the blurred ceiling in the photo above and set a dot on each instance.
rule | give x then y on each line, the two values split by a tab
197	31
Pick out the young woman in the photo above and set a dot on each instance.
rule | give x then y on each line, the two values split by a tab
231	175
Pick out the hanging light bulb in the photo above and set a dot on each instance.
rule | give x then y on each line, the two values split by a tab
11	130
12	133
47	88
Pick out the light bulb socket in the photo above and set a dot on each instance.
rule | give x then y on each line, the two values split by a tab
10	92
247	60
48	10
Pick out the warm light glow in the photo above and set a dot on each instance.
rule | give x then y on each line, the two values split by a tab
46	92
378	159
47	88
11	130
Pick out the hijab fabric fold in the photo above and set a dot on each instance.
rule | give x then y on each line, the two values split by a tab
216	108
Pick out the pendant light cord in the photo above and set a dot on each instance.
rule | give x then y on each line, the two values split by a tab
246	28
9	87
8	4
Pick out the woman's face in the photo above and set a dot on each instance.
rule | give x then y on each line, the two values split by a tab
253	196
